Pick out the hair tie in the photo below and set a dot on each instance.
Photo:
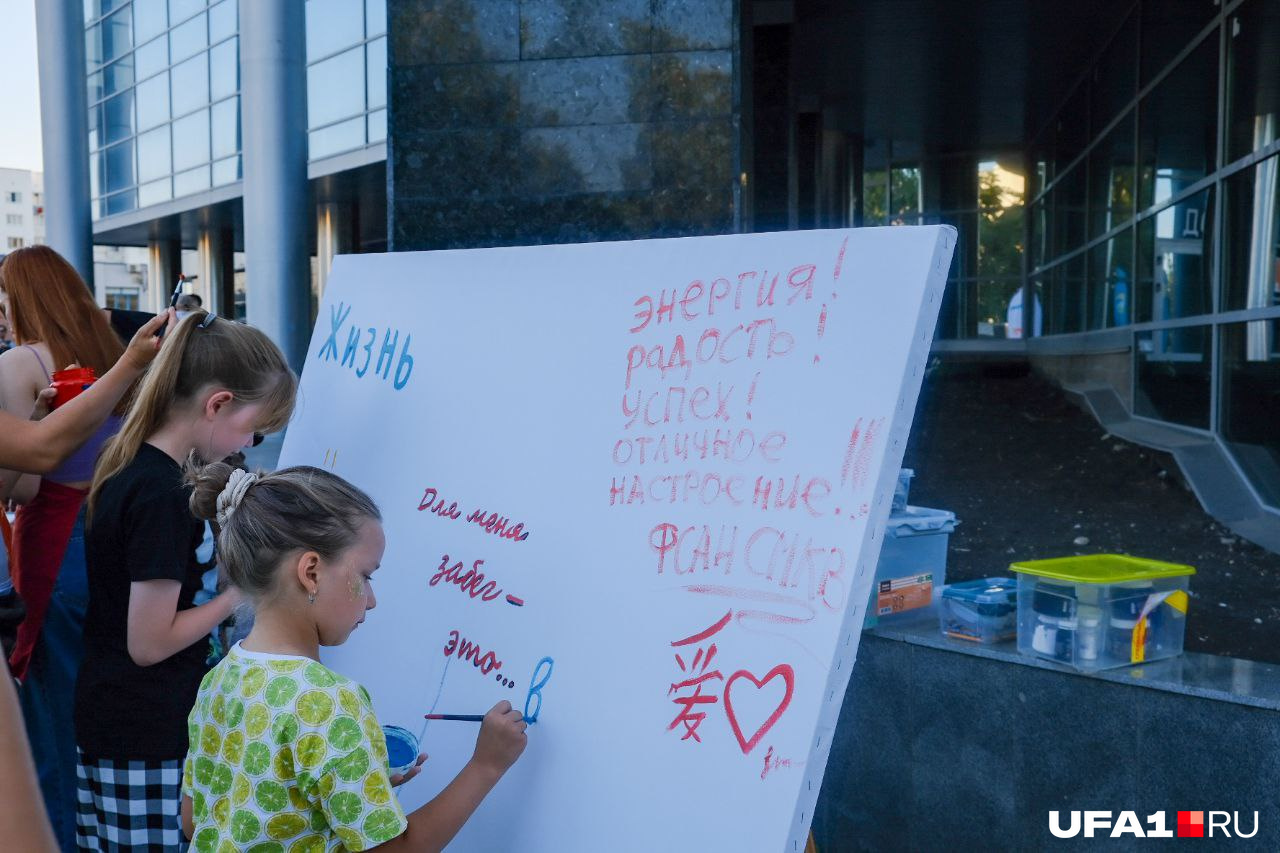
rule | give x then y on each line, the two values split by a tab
230	497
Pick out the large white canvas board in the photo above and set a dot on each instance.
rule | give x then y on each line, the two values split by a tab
691	445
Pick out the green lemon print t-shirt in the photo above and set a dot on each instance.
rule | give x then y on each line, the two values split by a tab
286	755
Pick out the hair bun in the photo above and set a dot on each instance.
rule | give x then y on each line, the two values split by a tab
233	493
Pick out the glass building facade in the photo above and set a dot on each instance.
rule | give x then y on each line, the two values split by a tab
163	80
1153	219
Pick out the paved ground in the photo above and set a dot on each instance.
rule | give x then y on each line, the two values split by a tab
1031	476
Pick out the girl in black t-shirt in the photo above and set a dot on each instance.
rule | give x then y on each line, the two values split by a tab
214	385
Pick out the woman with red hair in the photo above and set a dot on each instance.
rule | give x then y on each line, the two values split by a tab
55	323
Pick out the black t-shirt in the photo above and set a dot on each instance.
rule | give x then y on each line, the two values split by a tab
142	530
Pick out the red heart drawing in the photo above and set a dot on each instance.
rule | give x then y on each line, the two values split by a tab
789	678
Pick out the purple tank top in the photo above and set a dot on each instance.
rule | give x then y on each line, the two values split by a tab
79	466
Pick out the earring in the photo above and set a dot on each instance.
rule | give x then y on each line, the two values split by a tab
311	597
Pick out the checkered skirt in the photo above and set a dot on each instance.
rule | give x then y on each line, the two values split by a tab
128	805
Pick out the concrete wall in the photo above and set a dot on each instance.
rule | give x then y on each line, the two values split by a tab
944	750
1114	369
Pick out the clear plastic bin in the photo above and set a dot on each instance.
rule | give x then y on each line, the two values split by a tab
901	490
983	611
1101	611
913	563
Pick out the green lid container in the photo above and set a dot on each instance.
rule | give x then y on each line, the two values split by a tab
1102	569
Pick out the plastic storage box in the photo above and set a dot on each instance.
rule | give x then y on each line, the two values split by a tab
982	611
913	562
902	489
1101	611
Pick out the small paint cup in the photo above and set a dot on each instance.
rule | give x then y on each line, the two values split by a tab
402	749
67	384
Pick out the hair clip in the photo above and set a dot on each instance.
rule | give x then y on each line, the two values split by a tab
208	320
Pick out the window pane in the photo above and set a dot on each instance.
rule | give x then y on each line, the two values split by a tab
875	196
190	84
119	203
109	39
1000	219
117	117
377	73
337	138
226	127
1251	274
117	76
97	8
1174	249
191	140
1173	375
1069	196
226	171
1253	98
1039	244
193	181
222	21
1251	402
187	39
332	25
155	192
1111	179
1178	123
993	301
153	154
335	88
97	166
93	46
152	57
95	127
224	69
119	161
1071	130
377	125
1065	301
375	17
1115	80
1166	30
182	9
150	18
904	196
1111	282
153	101
94	86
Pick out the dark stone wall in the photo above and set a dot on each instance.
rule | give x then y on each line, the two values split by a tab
549	121
946	751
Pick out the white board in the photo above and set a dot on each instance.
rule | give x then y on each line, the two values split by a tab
540	388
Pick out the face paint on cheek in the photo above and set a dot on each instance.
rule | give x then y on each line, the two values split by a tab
357	588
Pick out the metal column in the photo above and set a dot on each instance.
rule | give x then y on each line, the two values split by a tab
277	224
64	119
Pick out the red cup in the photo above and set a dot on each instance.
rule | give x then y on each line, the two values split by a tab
70	382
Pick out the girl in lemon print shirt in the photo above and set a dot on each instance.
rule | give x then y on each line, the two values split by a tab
286	754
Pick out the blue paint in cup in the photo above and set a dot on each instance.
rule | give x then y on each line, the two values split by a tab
402	749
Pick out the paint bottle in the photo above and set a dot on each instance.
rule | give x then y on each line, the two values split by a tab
1124	612
1054	635
1089	633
